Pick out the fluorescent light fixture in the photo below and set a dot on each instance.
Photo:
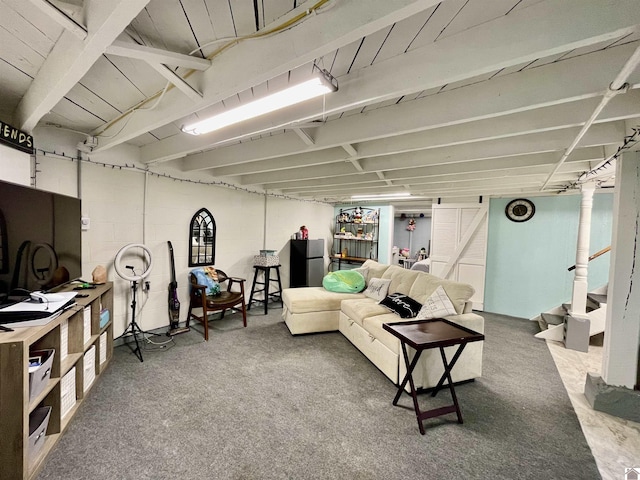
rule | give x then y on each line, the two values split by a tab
320	84
382	196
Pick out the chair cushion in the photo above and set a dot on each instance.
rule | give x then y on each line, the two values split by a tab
224	298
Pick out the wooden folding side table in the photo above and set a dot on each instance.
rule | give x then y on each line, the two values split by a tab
423	335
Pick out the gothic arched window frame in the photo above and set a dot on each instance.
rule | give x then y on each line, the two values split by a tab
202	239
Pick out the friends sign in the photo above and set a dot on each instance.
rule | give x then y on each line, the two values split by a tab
15	138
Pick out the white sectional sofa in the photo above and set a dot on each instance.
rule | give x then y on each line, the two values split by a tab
360	318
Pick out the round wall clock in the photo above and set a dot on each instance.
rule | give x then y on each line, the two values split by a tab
520	210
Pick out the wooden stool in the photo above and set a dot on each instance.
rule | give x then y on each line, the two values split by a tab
266	281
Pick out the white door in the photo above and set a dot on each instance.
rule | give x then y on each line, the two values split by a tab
459	245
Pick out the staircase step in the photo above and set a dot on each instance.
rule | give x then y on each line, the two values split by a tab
550	319
554	332
597	298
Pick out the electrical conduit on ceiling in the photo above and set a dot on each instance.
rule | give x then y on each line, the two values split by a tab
616	87
263	33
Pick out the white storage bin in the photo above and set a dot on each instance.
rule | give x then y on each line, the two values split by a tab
67	392
103	348
38	422
39	377
89	367
64	339
86	333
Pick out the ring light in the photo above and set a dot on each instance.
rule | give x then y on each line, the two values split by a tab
131	275
53	263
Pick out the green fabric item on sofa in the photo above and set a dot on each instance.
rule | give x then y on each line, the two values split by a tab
344	281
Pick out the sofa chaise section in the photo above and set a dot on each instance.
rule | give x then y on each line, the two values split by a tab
360	318
312	309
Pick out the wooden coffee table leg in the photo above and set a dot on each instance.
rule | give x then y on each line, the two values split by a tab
409	378
447	369
410	366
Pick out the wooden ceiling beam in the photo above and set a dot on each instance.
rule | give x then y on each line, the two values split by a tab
501	43
464	155
180	83
156	56
61	18
555	117
248	64
71	58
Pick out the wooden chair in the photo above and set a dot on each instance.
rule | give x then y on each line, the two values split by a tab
227	299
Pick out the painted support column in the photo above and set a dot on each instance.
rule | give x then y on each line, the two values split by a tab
622	329
580	280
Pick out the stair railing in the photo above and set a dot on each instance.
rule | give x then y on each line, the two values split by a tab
594	256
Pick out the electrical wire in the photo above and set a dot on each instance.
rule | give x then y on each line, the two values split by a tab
260	34
629	142
216	183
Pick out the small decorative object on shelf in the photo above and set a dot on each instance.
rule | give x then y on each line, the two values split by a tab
99	274
357	215
412	225
355	236
302	234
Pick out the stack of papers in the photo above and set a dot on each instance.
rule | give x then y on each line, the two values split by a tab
30	313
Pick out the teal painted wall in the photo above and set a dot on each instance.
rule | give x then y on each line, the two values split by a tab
527	262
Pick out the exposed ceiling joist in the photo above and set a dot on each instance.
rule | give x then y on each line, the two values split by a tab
72	58
61	18
157	56
319	34
349	149
304	136
583	78
456	61
177	81
451	98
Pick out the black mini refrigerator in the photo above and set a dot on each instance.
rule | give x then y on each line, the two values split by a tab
306	263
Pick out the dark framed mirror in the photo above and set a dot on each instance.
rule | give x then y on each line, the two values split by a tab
202	239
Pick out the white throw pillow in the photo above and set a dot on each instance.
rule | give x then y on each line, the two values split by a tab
377	288
437	305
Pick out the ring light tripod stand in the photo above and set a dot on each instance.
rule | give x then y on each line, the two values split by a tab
134	278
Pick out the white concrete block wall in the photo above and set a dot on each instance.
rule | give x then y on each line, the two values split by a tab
284	218
125	209
15	166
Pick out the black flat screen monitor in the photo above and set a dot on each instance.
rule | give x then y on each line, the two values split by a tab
40	239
